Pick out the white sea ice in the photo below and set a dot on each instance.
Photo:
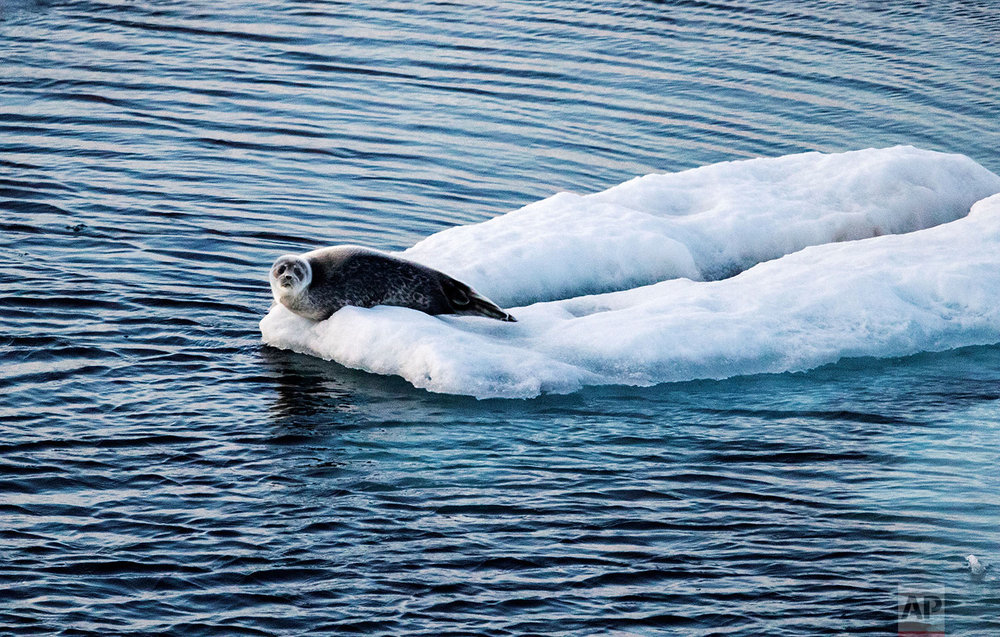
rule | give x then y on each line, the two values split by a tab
704	224
976	568
888	295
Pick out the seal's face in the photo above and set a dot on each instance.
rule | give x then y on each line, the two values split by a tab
290	275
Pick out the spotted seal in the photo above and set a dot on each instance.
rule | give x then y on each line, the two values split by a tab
318	283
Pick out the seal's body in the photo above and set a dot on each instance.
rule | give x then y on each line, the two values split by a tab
318	283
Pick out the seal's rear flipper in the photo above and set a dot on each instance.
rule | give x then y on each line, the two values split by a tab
485	307
464	300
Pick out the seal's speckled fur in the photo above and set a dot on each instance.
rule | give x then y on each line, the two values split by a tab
318	283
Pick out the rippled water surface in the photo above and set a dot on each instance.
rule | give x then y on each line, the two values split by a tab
161	471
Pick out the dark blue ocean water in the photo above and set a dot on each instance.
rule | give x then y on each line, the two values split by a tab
162	472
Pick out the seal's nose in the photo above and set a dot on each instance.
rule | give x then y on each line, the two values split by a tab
286	281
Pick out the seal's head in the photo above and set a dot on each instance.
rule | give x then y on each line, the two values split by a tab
290	276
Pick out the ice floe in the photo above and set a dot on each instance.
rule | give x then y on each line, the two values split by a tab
757	266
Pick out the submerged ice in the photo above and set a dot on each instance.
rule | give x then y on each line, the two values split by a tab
765	265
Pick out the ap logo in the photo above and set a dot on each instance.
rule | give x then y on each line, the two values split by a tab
921	612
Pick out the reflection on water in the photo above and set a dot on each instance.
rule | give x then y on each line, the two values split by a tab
305	387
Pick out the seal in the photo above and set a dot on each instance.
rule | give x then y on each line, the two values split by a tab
318	283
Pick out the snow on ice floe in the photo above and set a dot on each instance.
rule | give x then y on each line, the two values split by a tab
663	241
